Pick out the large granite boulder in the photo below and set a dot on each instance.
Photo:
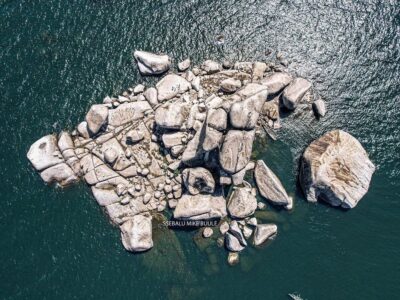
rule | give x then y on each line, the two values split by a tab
335	168
244	114
198	180
242	203
264	232
270	186
61	174
276	82
152	64
200	207
136	233
170	86
236	150
296	90
96	117
44	153
172	115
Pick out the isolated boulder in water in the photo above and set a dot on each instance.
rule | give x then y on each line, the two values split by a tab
296	90
270	186
136	233
198	180
152	64
336	168
96	117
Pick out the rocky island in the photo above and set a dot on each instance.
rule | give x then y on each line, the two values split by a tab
185	146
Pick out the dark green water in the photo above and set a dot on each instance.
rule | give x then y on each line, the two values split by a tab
59	57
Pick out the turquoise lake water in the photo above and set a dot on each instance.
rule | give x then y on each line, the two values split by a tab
59	57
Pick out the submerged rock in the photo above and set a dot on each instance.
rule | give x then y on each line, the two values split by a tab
270	186
336	169
136	233
44	153
152	64
264	232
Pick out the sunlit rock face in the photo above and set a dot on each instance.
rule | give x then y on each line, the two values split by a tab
335	168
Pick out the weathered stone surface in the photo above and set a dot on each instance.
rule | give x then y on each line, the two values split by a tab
61	174
194	149
335	168
128	112
224	227
217	119
200	207
134	136
242	203
44	153
65	141
184	65
96	117
210	66
105	197
230	85
296	90
235	230
251	89
152	64
270	186
264	232
170	86
258	70
236	150
212	139
198	180
244	114
136	233
232	243
207	232
276	82
319	108
151	96
172	115
172	139
83	130
270	109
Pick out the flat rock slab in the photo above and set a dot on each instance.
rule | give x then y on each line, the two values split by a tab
200	207
128	112
336	169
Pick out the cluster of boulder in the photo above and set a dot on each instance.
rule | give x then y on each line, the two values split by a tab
180	144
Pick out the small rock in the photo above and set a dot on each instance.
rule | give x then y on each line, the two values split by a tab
224	227
211	67
241	203
139	89
230	85
319	108
207	232
184	65
233	258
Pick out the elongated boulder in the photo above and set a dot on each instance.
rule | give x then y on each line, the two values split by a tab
200	207
170	86
319	108
296	90
236	150
152	64
270	186
230	85
136	233
198	180
244	114
264	232
44	153
235	230
242	203
61	174
276	82
335	168
96	117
